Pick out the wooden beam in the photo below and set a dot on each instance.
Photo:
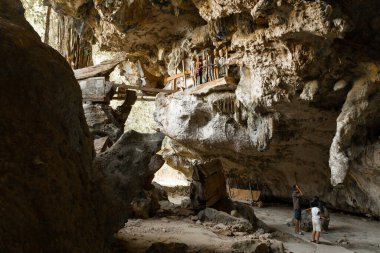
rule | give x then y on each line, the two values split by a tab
146	99
119	98
139	98
145	95
95	99
101	69
170	78
132	87
224	83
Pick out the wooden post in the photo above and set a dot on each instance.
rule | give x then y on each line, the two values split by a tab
175	81
226	61
183	71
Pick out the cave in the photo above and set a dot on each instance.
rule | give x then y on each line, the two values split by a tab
189	126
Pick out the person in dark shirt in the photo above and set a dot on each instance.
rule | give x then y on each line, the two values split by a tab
296	196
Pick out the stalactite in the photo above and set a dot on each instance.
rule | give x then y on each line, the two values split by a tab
47	25
227	105
75	48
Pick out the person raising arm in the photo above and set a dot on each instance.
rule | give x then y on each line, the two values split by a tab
296	195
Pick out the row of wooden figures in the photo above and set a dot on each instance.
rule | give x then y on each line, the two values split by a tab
209	66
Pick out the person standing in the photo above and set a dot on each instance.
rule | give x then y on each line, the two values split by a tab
324	213
316	221
296	196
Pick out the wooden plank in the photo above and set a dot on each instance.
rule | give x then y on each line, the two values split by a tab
146	99
145	95
132	87
170	78
95	99
100	69
225	83
119	98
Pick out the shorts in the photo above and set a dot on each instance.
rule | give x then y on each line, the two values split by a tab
316	225
297	214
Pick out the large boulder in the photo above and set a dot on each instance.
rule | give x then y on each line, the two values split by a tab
49	199
127	165
102	122
215	216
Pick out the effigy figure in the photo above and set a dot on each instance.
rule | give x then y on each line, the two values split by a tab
216	65
198	70
210	69
205	67
192	68
222	63
226	65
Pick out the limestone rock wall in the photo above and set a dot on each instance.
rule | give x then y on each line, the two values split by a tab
306	106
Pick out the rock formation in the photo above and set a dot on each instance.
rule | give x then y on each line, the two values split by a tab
126	165
49	200
279	125
55	198
306	107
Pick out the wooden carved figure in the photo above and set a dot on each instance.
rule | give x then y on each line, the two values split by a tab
222	62
226	65
198	70
204	70
216	64
210	70
192	68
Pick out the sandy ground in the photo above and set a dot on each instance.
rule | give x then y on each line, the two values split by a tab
140	233
362	234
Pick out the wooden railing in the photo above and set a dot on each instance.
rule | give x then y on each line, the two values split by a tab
175	77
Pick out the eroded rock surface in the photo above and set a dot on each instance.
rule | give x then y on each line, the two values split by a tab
306	107
126	165
49	199
296	74
54	197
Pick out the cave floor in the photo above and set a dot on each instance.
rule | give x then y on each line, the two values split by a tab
140	234
362	234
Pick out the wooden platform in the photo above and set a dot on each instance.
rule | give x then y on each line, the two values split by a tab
221	84
148	89
150	96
